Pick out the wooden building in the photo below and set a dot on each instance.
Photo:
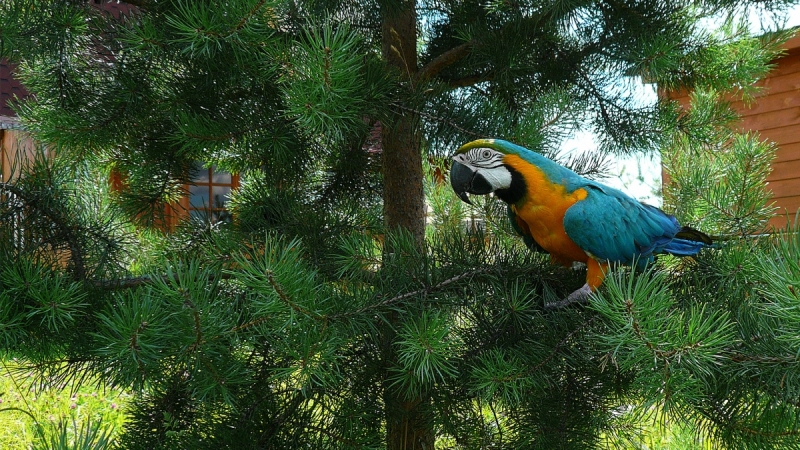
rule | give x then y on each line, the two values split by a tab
775	115
206	196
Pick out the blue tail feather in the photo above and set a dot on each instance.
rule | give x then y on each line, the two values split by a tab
684	247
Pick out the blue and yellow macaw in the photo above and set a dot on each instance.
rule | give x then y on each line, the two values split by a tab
571	217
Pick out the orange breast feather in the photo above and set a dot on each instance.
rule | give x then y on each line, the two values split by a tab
541	212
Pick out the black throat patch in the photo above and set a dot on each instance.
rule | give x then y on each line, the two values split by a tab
516	191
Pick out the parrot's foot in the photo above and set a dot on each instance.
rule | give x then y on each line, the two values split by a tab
579	296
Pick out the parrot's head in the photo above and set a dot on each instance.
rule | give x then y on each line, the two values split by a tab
478	169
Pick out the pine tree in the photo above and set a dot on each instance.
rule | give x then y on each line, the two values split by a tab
330	313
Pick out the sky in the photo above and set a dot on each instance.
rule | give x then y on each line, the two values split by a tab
640	176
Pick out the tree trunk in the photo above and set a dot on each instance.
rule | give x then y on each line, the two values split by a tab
407	427
408	424
403	196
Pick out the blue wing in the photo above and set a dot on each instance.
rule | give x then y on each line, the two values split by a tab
614	227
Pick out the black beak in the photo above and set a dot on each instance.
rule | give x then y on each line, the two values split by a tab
465	179
461	180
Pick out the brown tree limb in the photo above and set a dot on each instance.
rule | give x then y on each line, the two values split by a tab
142	4
470	80
445	60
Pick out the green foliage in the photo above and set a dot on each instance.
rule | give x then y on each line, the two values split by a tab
425	354
304	321
41	298
679	346
324	83
87	436
717	181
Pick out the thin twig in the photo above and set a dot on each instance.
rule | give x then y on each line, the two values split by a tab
438	119
422	291
129	283
657	352
561	343
67	231
549	357
246	18
287	300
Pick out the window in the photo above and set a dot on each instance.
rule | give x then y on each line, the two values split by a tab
210	192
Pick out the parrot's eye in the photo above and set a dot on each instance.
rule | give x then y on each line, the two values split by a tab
486	154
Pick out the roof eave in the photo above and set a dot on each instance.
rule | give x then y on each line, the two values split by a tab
9	123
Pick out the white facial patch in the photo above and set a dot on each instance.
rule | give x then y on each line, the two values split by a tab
488	163
498	177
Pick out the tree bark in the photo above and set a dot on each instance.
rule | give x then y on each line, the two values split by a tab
408	424
407	427
403	195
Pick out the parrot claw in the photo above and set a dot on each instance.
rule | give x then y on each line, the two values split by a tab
579	296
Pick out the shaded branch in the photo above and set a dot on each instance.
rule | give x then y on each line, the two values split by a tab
561	343
553	353
130	283
143	4
471	80
421	291
67	231
445	60
438	119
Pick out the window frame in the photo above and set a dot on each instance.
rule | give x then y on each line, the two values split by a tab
187	209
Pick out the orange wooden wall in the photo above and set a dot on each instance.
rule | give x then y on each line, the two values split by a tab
15	148
775	114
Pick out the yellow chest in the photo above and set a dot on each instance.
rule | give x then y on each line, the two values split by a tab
542	213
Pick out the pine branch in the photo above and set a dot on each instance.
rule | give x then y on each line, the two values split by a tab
471	80
287	300
243	21
549	357
763	434
134	282
561	343
340	439
657	352
275	425
239	25
743	357
438	119
196	317
422	291
67	231
445	60
247	325
142	4
133	344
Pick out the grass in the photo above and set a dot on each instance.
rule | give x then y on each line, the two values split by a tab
89	417
654	431
672	436
62	413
